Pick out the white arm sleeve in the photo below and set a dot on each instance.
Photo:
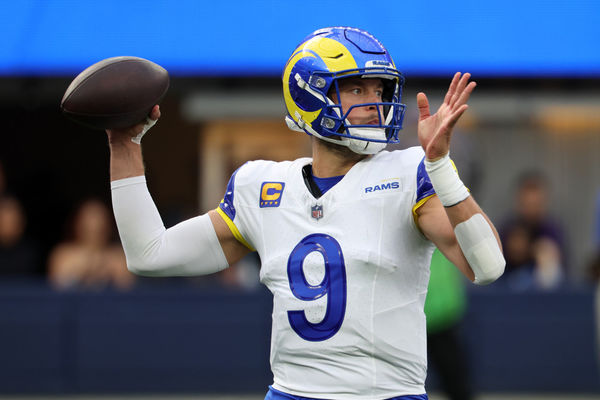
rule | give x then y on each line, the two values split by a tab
481	249
189	248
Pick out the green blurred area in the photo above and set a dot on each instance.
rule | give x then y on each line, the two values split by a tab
446	297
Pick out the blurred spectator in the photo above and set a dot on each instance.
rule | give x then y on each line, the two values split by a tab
89	258
19	255
533	241
445	308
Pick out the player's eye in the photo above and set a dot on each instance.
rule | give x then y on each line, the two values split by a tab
356	91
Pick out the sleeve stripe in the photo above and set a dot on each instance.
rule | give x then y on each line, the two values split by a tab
234	229
424	186
417	206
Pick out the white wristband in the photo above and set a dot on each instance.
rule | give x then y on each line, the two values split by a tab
446	183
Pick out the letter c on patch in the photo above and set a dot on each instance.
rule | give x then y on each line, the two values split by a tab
270	194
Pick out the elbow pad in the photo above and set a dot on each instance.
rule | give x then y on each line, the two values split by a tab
189	248
481	249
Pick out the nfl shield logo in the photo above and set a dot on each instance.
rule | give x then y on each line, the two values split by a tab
316	211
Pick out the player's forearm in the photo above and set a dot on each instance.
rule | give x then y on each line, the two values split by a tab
189	248
466	209
474	232
126	160
478	240
125	149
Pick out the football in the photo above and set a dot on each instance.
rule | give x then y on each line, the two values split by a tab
115	93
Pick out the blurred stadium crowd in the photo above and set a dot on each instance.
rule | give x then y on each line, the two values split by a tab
81	250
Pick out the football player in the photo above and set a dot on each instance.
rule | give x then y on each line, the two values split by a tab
345	237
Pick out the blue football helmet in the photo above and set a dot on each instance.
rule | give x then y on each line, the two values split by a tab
314	70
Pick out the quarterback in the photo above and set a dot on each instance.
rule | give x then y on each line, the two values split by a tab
345	237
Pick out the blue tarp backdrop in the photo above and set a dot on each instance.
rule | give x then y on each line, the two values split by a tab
189	37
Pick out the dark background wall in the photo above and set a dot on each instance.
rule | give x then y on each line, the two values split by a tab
176	338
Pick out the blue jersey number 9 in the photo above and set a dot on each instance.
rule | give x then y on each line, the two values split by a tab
333	285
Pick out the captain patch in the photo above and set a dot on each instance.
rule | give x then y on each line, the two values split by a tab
270	194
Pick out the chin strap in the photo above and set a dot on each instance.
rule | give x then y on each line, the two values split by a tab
366	146
356	145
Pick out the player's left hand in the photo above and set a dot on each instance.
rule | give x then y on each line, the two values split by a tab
435	130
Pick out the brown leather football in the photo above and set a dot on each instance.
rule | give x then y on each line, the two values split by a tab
115	93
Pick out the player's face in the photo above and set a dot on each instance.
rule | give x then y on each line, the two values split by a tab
358	91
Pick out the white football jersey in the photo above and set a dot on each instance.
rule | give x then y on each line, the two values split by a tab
348	271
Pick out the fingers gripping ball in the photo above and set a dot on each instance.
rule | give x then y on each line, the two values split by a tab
115	93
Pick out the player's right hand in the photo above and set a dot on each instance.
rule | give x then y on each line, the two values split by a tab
134	133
